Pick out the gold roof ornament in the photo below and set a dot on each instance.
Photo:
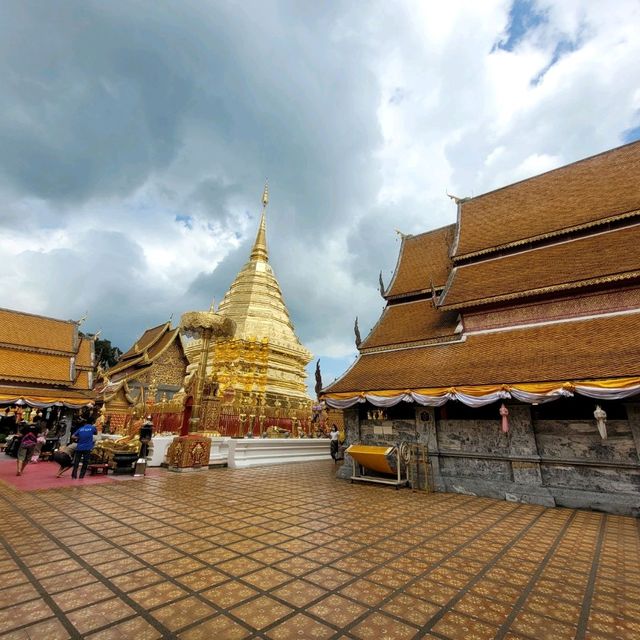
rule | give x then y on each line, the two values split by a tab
259	251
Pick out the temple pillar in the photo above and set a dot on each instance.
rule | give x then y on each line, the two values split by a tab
427	434
522	442
352	436
633	416
527	476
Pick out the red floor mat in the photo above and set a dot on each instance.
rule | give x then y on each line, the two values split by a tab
42	475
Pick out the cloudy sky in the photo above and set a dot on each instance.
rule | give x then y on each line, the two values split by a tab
135	138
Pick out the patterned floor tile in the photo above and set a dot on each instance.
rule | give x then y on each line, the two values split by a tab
299	593
541	628
261	612
229	554
46	630
183	613
219	627
99	615
301	626
377	626
229	594
157	594
411	609
366	592
137	628
18	615
337	610
460	627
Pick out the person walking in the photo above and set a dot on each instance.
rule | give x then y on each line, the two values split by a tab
84	437
27	446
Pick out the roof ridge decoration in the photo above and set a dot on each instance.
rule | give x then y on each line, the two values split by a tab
142	357
140	345
37	315
397	268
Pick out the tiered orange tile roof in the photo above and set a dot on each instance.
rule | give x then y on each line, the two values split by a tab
605	347
26	330
593	190
45	352
559	267
31	366
423	259
410	322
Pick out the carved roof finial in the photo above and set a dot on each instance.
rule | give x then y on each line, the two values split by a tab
457	199
356	330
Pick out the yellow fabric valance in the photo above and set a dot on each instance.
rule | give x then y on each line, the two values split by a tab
532	392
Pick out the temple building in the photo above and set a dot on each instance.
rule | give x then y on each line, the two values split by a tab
45	363
145	380
510	343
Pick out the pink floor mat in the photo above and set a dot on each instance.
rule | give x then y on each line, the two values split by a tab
42	475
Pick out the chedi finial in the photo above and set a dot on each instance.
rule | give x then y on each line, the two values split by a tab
259	251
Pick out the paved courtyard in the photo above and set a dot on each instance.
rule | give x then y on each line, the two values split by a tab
290	552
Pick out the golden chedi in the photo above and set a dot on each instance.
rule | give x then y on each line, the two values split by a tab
261	366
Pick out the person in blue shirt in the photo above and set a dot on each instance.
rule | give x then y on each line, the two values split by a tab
84	437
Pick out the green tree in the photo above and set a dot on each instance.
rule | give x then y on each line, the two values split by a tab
106	355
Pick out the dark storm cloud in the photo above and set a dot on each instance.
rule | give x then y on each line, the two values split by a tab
204	103
92	99
96	97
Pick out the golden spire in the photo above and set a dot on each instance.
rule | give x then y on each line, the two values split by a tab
259	251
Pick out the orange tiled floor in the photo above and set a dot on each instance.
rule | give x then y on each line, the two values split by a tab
290	552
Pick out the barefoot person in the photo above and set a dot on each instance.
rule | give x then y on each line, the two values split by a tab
27	446
64	457
334	434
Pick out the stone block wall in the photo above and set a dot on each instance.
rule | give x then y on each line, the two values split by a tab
547	462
